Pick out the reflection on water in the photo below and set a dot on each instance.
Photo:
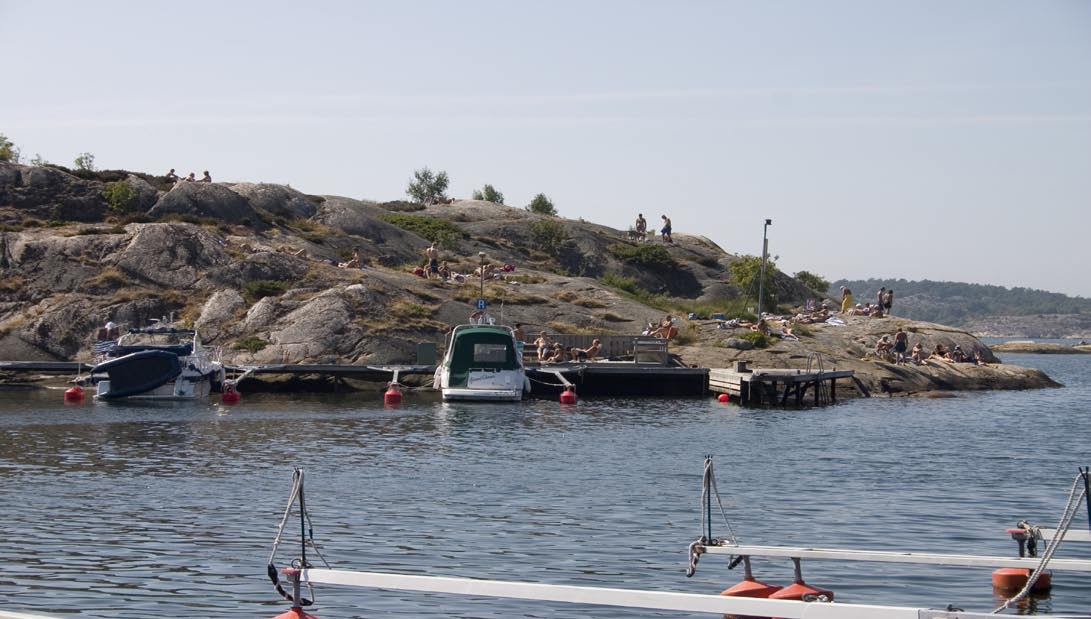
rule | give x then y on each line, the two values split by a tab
159	510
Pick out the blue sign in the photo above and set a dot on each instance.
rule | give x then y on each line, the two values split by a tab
482	304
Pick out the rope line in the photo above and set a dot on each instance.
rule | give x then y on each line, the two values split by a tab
1067	515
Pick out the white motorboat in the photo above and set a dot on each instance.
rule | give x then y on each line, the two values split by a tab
156	363
483	362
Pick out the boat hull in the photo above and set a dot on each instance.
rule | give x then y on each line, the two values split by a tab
483	395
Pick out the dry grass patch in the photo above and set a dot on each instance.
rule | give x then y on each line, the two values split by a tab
557	326
566	295
612	317
589	303
110	277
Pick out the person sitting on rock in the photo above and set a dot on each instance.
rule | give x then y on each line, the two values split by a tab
584	354
665	327
192	178
940	352
171	176
444	271
957	355
918	354
207	178
884	347
786	331
354	263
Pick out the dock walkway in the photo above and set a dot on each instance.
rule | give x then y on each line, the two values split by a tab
780	387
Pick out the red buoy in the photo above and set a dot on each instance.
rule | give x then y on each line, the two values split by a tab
295	613
230	397
723	397
799	589
750	587
568	396
1015	578
392	395
73	394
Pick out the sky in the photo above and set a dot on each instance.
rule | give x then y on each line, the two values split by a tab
884	139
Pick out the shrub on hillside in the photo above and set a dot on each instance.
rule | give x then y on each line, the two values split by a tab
122	197
429	228
547	235
261	288
650	256
542	205
812	281
489	194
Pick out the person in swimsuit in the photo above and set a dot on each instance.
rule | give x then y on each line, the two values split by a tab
666	229
641	226
433	260
901	344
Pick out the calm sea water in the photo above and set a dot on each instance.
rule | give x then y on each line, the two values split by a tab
137	511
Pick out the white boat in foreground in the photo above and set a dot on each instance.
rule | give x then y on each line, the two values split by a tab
304	575
156	363
482	363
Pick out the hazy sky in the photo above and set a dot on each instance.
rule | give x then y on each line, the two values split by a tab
940	140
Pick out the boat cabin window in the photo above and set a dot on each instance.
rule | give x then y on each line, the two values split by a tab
485	352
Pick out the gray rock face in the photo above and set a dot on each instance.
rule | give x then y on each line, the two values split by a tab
219	315
174	256
386	244
212	200
147	195
48	194
276	199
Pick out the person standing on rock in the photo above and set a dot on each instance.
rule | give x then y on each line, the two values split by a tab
641	227
879	296
433	260
666	229
887	301
901	344
846	300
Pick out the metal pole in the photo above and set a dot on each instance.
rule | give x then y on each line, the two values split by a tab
1086	472
481	255
764	255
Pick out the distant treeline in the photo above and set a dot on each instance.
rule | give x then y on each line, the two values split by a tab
954	303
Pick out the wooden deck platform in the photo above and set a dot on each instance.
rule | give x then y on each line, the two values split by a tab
779	387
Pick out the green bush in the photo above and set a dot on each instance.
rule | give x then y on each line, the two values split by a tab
548	235
261	288
8	151
812	281
427	185
629	286
429	228
760	340
85	162
251	344
746	270
542	205
650	256
122	197
489	194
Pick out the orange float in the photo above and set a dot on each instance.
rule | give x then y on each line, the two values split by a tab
295	613
750	587
73	394
799	589
1015	578
392	395
568	396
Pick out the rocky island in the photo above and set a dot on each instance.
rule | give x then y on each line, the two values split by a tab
268	273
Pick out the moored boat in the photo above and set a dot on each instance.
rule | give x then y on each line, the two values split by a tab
483	362
156	363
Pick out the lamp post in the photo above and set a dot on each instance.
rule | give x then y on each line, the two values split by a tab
764	256
481	255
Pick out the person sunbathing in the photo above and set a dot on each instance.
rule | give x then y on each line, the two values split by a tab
585	354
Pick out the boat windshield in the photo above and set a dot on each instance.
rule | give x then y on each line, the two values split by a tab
484	349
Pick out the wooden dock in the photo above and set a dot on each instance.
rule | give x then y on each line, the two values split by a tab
776	387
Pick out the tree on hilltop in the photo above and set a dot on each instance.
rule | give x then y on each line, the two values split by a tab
812	281
745	271
427	186
489	194
85	162
8	151
542	205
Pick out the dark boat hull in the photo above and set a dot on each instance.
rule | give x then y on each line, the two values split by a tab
138	372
